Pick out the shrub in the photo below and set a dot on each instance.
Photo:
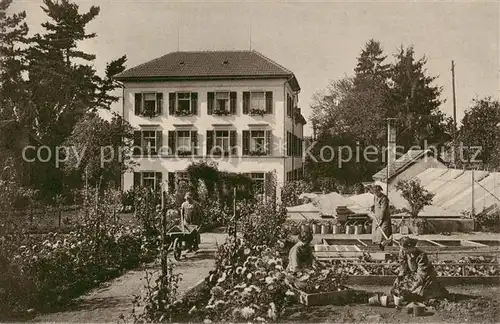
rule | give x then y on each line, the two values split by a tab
415	194
292	190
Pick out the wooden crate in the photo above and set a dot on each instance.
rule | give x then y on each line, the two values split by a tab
324	298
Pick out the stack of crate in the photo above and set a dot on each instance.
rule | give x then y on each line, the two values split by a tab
343	213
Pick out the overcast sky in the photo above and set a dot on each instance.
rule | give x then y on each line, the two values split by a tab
318	41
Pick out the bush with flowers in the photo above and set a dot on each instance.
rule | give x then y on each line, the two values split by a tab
46	271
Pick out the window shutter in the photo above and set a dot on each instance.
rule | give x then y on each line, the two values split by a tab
159	141
232	142
137	179
210	102
288	105
137	143
158	180
268	142
246	102
171	182
138	104
194	103
194	142
171	142
210	141
246	142
232	102
171	103
288	146
159	102
269	102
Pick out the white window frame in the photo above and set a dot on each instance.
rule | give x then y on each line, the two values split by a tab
260	178
228	138
144	95
227	107
189	147
146	142
253	144
252	107
177	99
143	177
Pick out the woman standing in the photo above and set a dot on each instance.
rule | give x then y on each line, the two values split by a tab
381	217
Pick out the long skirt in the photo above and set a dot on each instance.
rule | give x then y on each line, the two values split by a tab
377	236
429	289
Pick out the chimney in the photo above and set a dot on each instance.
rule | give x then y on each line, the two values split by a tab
391	146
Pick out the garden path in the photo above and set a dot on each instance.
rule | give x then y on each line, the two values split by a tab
106	303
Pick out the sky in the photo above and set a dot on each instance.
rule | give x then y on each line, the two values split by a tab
317	40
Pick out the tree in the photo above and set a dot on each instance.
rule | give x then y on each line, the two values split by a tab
13	34
100	150
415	194
414	100
371	66
481	128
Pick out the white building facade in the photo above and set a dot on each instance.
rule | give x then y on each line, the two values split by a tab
238	109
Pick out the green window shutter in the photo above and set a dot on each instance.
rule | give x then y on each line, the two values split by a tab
246	142
137	179
158	180
210	102
159	141
171	143
268	142
138	104
194	103
137	143
210	141
159	102
233	142
171	103
194	142
246	102
269	102
171	182
232	102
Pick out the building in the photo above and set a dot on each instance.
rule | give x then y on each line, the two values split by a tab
407	167
238	108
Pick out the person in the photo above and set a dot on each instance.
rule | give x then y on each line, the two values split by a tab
381	218
417	280
190	214
301	254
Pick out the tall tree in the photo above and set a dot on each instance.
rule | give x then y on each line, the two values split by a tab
99	150
13	35
371	64
64	85
414	100
481	130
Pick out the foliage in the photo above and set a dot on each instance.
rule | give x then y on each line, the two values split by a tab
99	149
319	280
292	190
350	114
47	271
480	128
488	221
415	194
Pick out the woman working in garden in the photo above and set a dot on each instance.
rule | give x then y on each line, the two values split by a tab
381	218
417	280
190	214
301	254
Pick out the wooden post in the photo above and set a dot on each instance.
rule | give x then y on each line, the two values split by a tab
472	195
234	212
163	255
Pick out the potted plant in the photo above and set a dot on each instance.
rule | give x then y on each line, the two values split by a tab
182	112
221	112
183	152
417	197
258	152
257	112
149	112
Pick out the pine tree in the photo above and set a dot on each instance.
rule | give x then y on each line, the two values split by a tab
371	66
414	100
13	34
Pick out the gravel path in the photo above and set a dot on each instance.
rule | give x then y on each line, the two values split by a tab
105	304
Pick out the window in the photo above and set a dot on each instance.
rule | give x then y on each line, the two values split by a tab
148	103
184	142
183	180
148	179
258	141
183	103
222	141
148	143
258	101
222	101
259	182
